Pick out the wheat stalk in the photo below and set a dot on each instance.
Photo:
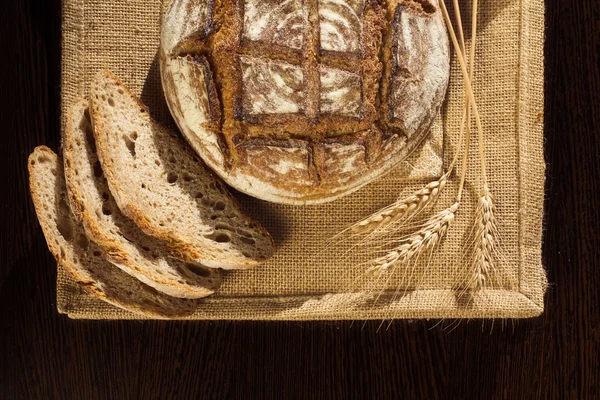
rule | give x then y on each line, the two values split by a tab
387	220
409	207
428	237
434	229
485	225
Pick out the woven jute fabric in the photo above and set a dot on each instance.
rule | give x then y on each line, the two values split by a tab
307	280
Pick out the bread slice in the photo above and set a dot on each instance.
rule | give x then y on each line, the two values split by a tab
159	183
126	246
82	258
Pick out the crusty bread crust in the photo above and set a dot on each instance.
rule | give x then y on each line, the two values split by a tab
83	259
126	246
284	157
214	232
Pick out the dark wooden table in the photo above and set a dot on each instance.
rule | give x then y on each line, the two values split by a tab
45	355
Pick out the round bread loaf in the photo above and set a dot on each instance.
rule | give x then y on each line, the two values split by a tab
303	101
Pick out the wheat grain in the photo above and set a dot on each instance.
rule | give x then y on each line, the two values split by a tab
402	209
484	246
429	236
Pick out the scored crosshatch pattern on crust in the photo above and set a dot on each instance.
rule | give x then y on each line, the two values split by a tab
278	86
290	69
303	282
252	76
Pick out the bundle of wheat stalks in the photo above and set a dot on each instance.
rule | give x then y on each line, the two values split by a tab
395	227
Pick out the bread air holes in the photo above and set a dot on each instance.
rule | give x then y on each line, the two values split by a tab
43	159
206	202
244	233
199	270
86	127
187	177
63	224
249	241
220	237
130	145
224	227
172	177
219	206
62	253
106	210
82	241
110	102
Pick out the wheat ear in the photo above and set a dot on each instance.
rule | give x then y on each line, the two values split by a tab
402	209
427	237
486	232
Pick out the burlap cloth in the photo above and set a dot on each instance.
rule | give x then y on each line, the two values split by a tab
305	282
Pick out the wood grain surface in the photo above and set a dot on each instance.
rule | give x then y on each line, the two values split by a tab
45	355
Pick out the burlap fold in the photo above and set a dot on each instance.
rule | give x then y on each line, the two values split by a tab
304	282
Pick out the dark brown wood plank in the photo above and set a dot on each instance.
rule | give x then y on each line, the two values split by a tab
27	114
44	355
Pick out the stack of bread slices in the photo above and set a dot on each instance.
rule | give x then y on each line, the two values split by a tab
133	214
